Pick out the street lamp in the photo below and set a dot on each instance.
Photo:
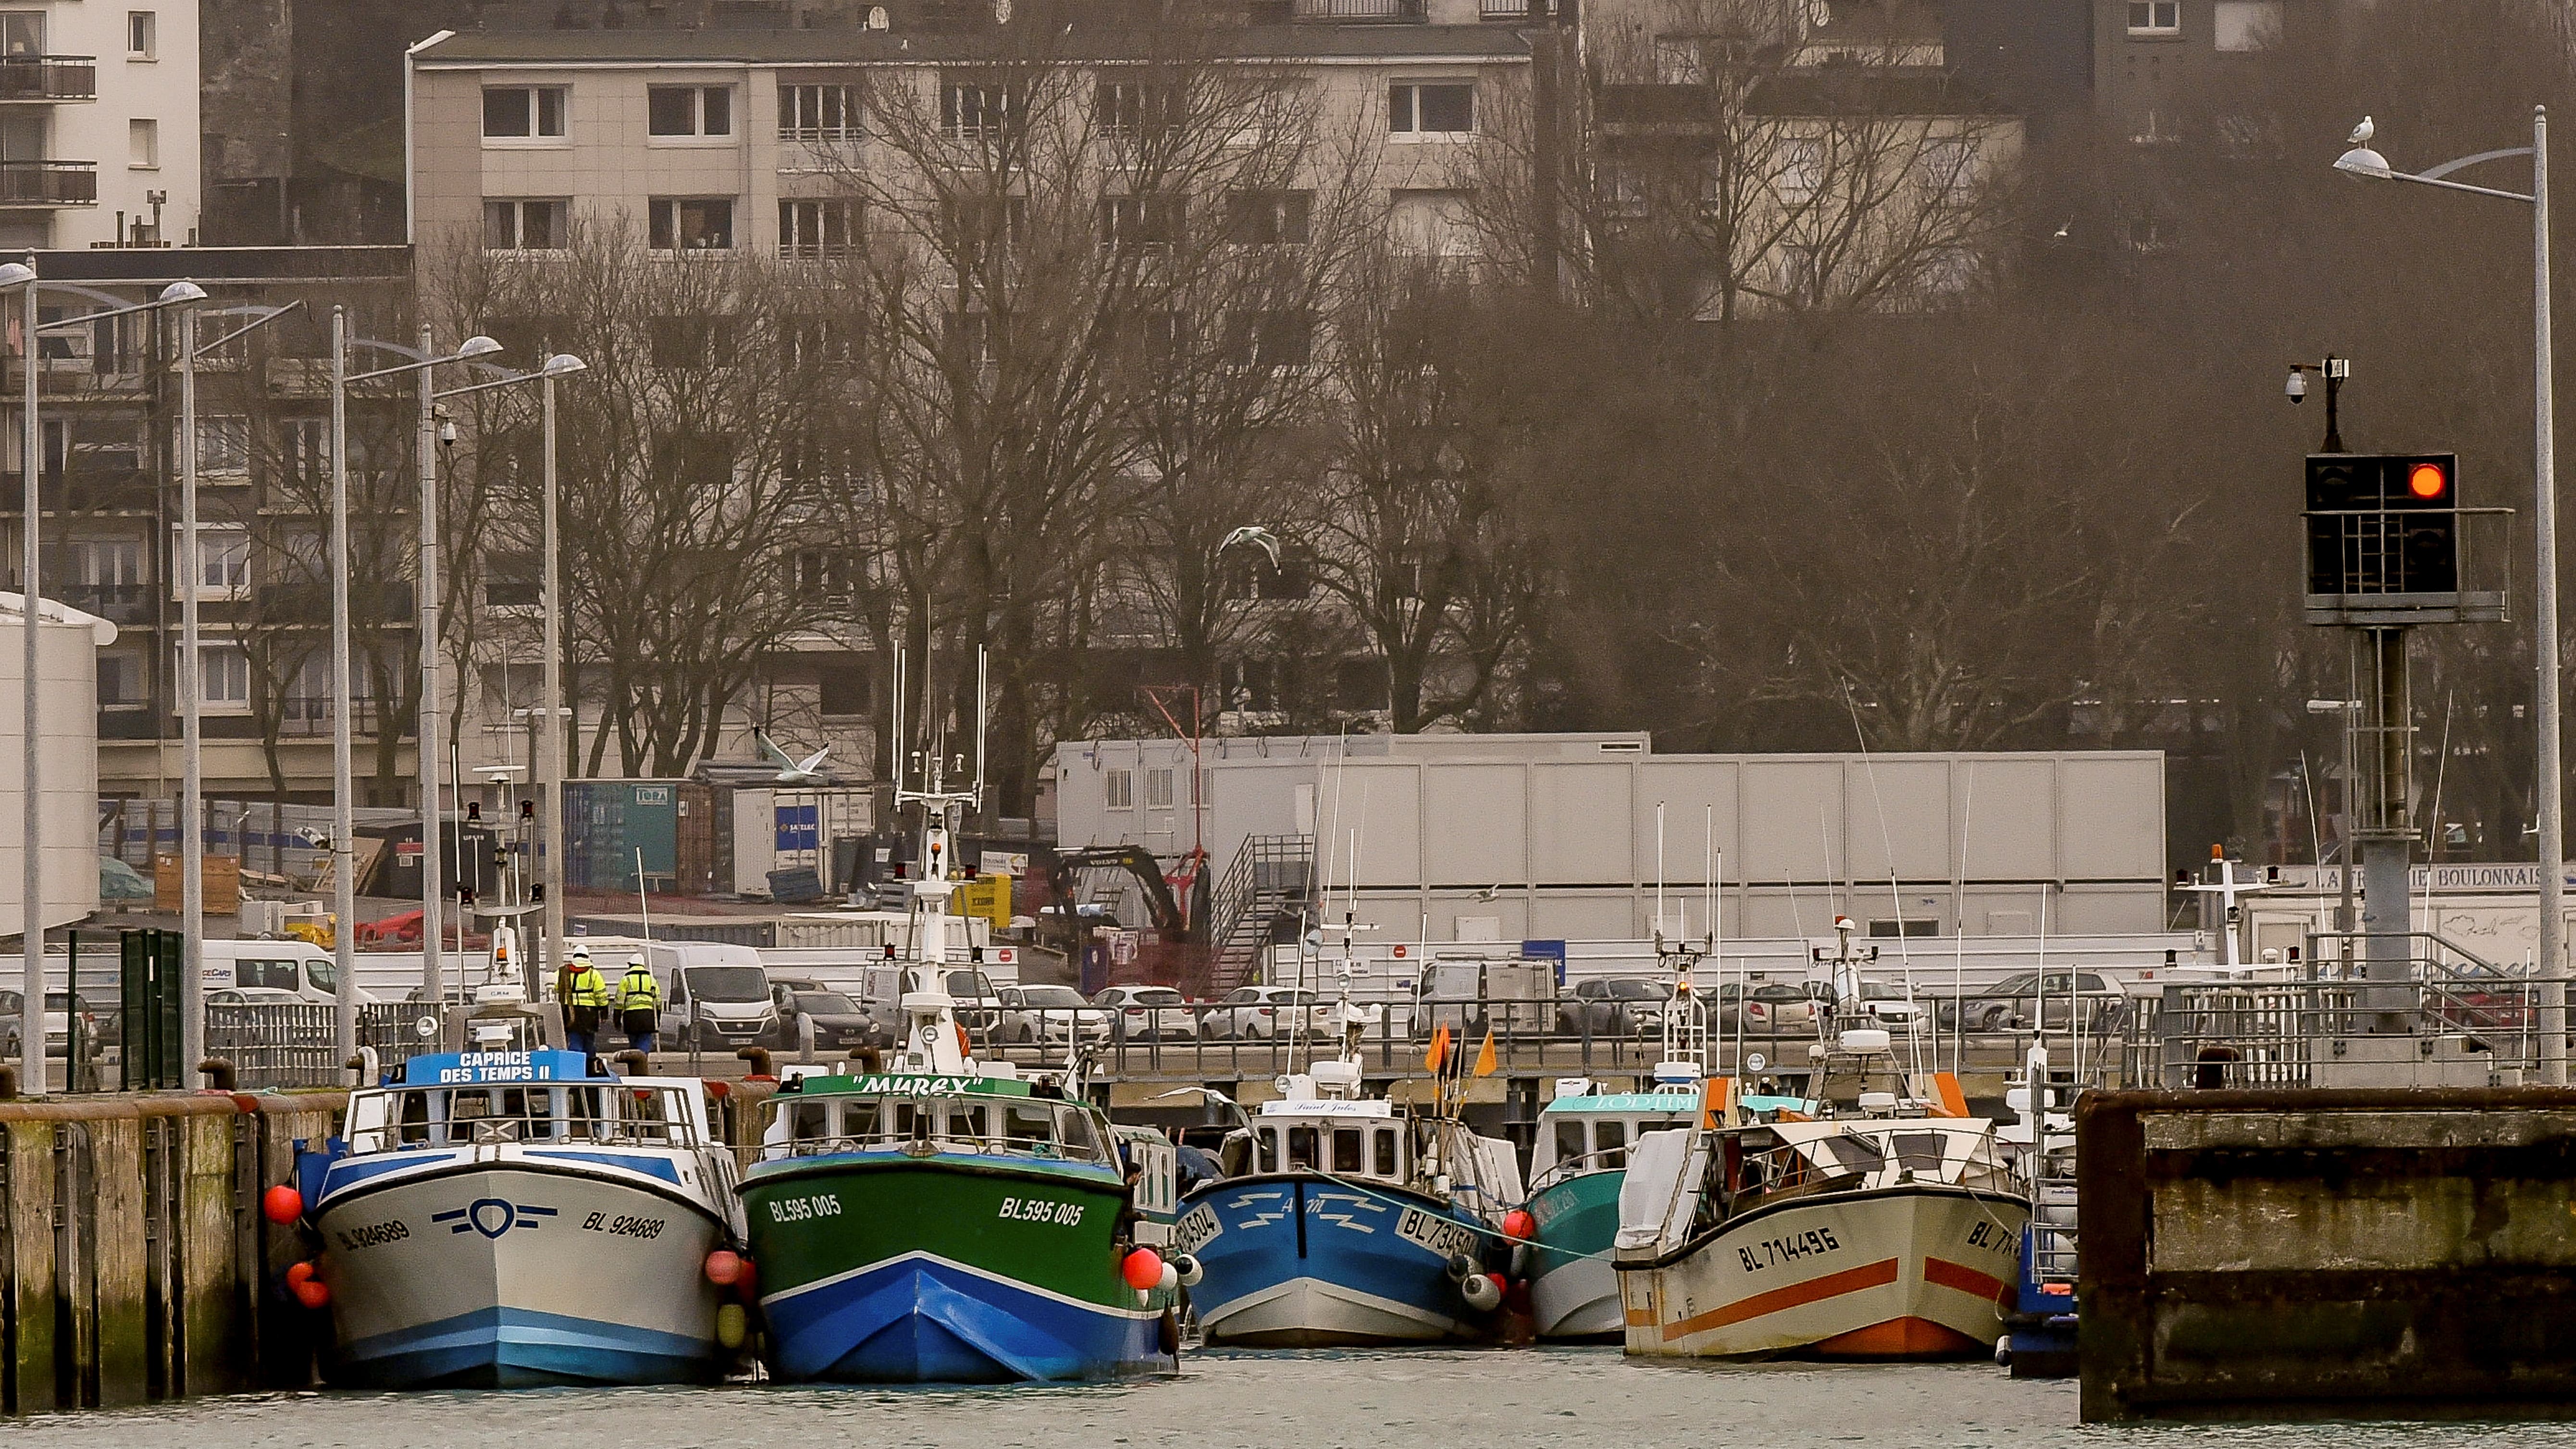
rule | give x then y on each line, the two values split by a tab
192	838
2363	162
343	786
31	938
550	738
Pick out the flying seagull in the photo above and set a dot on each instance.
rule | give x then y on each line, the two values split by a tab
808	771
1258	537
2362	133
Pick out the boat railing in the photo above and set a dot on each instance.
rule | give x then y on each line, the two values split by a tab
541	1116
1027	1127
1607	1159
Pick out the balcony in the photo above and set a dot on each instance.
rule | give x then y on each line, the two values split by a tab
116	603
45	79
302	716
48	183
1348	11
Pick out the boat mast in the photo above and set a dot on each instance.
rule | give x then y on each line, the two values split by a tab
933	1041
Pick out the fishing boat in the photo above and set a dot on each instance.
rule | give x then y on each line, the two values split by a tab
1892	1232
946	1220
1581	1159
507	1216
1340	1221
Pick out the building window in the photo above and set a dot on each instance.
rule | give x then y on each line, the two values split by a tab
1118	789
1123	110
1882	930
824	573
978	222
120	681
1137	223
223	676
2246	25
1269	218
1418	110
848	691
817	227
307	446
1949	169
223	562
674	111
973	109
143	145
2155	17
1158	789
692	224
818	113
535	226
523	113
685	341
512	580
108	563
1802	169
1269	338
976	338
223	445
142	35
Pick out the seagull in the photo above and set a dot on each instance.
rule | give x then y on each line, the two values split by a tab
1258	537
2063	228
808	771
2362	133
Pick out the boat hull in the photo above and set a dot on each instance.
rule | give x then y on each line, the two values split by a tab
884	1268
1297	1261
1907	1272
1574	1292
485	1274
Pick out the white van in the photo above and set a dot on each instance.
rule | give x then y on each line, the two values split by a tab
285	965
728	984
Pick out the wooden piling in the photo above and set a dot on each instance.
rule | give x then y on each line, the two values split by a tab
116	1251
31	1304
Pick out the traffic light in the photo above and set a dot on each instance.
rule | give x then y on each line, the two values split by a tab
2383	523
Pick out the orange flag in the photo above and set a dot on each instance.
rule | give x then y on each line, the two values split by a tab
1485	1062
1439	1053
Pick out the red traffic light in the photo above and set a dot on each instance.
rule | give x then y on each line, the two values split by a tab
2427	481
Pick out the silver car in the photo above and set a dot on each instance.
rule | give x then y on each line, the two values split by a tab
1267	1012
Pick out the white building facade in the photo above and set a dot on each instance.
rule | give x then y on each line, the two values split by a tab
98	125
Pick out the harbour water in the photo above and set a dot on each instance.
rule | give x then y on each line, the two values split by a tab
1514	1399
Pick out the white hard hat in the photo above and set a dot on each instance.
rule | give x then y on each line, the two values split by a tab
635	960
581	953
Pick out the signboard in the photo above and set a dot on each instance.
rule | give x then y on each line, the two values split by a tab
500	1068
2463	876
1552	952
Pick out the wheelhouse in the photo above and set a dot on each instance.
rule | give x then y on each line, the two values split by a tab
1596	1134
392	1119
956	1122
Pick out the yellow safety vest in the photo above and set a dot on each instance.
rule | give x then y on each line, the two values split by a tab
638	991
586	988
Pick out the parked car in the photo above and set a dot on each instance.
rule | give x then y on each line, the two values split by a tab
2018	1002
1055	1015
1888	1008
1148	1013
979	1001
1614	1006
1267	1012
254	996
839	1023
58	1008
1768	1010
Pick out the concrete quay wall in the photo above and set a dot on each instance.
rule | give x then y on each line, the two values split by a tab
2299	1253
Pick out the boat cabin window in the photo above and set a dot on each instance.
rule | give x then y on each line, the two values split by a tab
861	1124
1301	1149
1389	1159
1919	1152
1610	1143
1855	1153
1569	1141
1349	1149
402	1117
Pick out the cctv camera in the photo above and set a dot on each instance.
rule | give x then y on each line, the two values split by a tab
2296	389
314	838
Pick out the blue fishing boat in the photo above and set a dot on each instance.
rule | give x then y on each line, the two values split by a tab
509	1218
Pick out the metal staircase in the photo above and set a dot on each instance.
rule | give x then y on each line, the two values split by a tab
1271	876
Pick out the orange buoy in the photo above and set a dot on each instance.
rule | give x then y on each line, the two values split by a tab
282	1204
724	1265
1143	1269
298	1274
313	1293
1519	1226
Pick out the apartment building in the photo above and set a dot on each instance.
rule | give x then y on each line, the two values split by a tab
109	539
98	125
2156	60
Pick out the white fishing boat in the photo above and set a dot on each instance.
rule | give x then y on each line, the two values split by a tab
504	1217
1890	1233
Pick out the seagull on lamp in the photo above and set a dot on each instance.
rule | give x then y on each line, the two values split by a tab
2362	133
808	771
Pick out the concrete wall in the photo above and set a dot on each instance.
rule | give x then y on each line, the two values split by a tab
67	766
2309	1254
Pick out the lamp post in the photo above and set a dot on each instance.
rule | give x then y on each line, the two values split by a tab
2368	164
343	786
31	1006
192	787
549	760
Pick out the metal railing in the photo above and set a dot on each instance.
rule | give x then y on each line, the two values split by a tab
2276	1033
294	1044
48	183
1339	10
